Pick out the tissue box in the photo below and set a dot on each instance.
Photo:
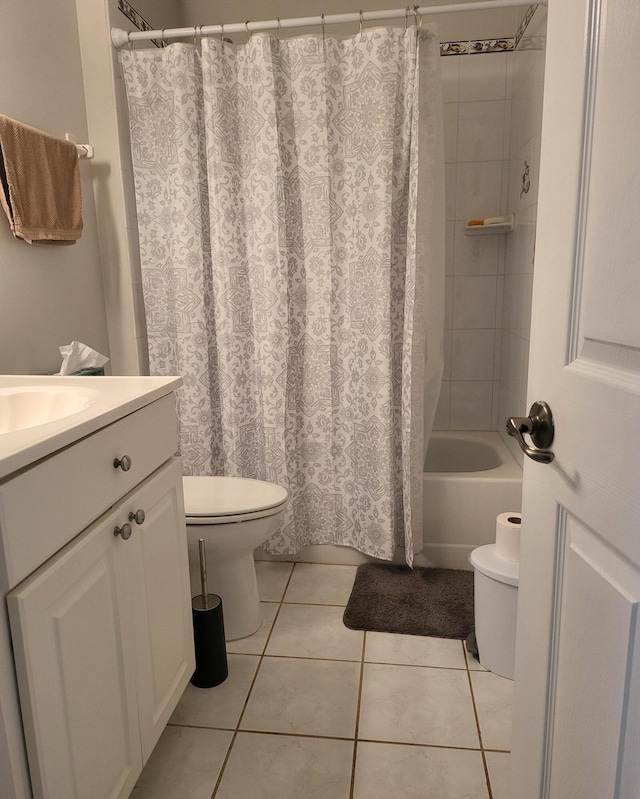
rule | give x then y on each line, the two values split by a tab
91	371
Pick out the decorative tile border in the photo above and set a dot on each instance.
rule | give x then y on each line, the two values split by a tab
446	48
525	22
136	17
496	45
477	46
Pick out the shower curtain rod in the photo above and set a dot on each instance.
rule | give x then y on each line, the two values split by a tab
121	37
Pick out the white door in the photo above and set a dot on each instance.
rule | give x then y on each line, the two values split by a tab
577	703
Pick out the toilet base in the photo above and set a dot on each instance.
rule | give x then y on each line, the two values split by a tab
236	580
231	570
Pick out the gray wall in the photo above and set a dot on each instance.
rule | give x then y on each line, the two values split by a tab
48	295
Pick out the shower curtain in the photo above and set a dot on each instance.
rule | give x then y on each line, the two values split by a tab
290	211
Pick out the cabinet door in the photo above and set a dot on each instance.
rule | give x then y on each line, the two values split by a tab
73	647
159	575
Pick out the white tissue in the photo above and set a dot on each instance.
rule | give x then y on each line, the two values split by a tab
77	356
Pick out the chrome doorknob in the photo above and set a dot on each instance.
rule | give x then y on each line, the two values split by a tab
138	517
539	426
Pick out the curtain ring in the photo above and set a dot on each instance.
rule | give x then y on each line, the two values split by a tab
129	42
278	28
406	18
246	27
322	17
360	12
417	18
222	32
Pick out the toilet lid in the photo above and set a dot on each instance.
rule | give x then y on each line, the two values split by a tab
230	496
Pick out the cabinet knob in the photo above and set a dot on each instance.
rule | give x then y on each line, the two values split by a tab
138	517
125	531
123	463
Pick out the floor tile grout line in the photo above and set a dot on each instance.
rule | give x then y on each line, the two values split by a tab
284	734
253	681
353	660
314	563
314	604
224	764
357	726
477	716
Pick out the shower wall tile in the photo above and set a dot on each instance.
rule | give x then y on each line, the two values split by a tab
472	354
512	361
441	420
446	374
506	137
499	302
448	302
497	355
481	131
478	187
449	247
450	73
450	171
496	422
517	309
475	255
482	77
471	405
450	125
474	302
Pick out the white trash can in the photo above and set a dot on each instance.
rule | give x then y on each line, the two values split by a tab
496	606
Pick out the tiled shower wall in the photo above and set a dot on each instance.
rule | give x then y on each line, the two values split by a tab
526	79
492	119
476	151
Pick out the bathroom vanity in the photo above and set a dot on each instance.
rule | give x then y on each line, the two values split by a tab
96	643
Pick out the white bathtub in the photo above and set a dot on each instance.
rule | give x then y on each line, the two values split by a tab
469	478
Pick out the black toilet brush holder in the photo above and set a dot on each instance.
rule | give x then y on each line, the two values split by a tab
208	633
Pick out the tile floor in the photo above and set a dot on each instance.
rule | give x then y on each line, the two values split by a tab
316	711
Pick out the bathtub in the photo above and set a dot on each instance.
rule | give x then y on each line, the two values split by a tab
469	478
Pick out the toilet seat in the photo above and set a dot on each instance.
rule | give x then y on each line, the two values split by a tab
222	500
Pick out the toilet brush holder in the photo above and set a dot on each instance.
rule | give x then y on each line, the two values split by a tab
208	633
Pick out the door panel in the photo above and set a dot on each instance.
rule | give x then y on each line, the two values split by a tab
160	582
576	709
598	626
72	645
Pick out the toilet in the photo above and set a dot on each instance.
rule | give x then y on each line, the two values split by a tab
233	515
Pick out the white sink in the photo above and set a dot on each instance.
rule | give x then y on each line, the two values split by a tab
23	407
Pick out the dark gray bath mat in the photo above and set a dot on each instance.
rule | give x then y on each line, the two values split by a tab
396	599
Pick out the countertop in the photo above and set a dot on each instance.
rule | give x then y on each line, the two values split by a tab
111	399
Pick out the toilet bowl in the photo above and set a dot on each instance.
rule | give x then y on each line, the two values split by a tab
233	515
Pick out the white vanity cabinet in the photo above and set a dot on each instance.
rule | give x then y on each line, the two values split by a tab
102	632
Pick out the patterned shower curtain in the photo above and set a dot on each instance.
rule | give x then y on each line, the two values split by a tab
290	211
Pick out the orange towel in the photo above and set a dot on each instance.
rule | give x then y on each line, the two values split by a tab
39	184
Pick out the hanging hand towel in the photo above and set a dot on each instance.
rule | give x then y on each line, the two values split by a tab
39	184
